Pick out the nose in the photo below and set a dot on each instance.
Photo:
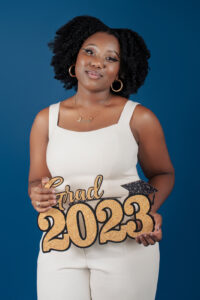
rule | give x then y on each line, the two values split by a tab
97	62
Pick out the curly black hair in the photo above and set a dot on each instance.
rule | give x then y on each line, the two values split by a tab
69	38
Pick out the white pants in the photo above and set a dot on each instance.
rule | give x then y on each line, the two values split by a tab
125	270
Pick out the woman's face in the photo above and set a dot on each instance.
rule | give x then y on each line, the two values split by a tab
98	62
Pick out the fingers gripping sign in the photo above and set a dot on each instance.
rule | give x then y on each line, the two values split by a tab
43	181
42	198
152	237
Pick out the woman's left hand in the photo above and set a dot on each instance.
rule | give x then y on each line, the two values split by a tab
154	236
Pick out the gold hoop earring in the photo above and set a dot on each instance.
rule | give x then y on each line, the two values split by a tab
119	88
70	71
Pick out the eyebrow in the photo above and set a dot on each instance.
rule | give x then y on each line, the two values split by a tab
107	50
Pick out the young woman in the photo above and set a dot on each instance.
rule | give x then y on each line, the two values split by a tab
99	131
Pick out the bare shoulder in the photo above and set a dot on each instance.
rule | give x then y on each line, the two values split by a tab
144	120
143	115
41	121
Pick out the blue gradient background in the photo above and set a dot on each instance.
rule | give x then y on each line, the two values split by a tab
171	90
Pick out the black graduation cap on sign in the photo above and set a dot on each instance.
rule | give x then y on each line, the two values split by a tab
140	187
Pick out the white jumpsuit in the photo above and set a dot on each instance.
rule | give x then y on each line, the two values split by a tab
125	270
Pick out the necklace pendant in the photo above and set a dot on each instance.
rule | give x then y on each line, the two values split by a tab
80	119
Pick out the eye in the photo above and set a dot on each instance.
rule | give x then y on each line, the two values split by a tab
86	50
113	59
89	51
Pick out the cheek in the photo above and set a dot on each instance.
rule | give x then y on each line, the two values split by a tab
112	70
80	62
80	66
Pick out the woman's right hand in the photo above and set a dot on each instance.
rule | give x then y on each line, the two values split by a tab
42	198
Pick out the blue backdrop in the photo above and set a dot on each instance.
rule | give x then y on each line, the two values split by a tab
171	90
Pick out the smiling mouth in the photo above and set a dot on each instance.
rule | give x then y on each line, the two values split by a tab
93	75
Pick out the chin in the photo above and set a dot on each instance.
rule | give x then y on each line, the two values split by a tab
93	87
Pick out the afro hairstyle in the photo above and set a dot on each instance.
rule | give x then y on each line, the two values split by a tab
69	38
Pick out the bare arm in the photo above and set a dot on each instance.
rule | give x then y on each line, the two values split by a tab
153	154
38	167
155	162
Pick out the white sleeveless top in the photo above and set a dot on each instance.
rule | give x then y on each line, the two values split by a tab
79	157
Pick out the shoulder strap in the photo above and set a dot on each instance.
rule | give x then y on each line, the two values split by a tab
127	112
53	117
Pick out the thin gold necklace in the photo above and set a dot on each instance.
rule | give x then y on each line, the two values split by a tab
81	118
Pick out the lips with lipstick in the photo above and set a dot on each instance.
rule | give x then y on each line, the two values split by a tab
94	74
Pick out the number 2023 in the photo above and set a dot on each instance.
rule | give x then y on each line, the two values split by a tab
68	225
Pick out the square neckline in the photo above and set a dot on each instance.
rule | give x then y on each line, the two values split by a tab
94	130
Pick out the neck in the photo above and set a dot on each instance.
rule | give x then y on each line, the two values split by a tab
87	98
